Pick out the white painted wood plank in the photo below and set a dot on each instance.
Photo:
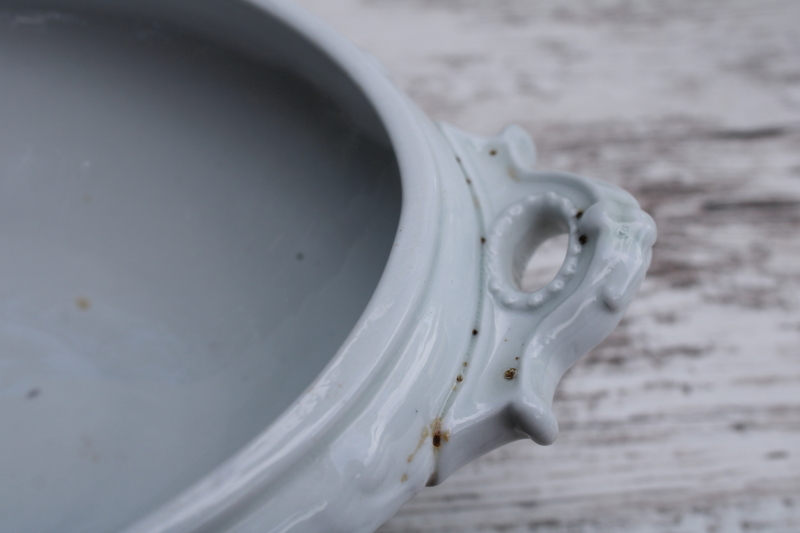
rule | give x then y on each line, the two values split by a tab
687	419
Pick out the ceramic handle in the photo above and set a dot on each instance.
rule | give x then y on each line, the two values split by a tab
528	340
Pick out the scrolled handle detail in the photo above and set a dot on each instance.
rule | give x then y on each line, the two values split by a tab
530	339
515	234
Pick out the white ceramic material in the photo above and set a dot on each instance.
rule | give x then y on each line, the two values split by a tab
248	287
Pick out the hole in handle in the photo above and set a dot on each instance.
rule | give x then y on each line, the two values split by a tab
516	278
542	248
543	263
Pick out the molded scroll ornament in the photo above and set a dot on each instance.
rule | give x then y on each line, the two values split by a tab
526	341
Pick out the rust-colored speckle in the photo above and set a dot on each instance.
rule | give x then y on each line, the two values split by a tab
474	331
579	214
483	240
436	426
492	152
404	478
459	378
517	358
583	239
466	364
510	373
82	303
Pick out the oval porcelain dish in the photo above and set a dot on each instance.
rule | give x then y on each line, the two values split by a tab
248	287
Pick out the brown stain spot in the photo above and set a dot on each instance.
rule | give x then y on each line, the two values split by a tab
82	303
474	331
512	174
436	427
579	214
459	378
510	373
583	239
466	364
404	478
516	358
33	393
483	240
492	152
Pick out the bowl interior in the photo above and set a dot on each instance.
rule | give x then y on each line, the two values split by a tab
187	235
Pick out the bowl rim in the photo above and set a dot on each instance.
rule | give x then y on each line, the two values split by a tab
385	324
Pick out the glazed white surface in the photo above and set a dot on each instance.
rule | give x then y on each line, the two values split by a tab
389	412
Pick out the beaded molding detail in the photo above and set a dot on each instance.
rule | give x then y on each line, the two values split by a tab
510	228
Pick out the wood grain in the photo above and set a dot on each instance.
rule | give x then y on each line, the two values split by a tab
687	419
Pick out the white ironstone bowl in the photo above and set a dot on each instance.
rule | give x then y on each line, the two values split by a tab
248	287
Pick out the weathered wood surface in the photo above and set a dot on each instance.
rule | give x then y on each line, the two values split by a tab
687	419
